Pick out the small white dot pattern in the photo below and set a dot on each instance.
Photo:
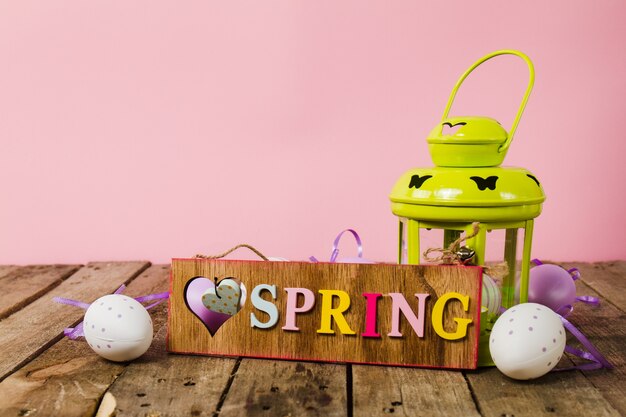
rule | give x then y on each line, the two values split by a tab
118	327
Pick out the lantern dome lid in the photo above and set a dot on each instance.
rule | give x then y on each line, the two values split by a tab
505	193
469	141
472	130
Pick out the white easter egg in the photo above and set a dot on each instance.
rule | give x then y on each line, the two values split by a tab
118	328
244	295
491	297
277	259
527	341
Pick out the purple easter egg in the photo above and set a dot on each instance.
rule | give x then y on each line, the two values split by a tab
551	286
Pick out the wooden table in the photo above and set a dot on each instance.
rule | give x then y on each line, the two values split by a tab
44	374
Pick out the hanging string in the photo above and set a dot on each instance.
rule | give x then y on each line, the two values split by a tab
242	245
450	255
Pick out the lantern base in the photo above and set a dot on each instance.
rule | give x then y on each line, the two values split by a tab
486	324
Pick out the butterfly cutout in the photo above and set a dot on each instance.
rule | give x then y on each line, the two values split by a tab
532	177
484	183
417	181
451	128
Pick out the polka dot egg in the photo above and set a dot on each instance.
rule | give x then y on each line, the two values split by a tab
527	341
118	328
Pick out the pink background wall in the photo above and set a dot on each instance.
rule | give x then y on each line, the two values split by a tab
159	129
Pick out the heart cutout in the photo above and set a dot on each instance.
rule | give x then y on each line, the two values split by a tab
196	288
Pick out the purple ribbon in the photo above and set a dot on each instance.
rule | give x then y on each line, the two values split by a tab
575	273
568	307
335	252
595	301
597	359
76	332
587	299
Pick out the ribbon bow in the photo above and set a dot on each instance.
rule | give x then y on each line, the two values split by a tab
335	251
76	332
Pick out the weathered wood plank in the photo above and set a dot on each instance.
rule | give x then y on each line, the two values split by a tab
379	391
160	384
21	286
37	326
554	394
568	393
69	379
237	337
7	269
280	388
606	278
605	327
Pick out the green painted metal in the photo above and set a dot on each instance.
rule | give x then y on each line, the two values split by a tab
413	242
528	238
467	185
478	141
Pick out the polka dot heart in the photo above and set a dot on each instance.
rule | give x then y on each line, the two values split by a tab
527	341
118	327
224	298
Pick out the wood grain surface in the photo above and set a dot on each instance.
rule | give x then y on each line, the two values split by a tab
381	391
67	378
605	327
607	280
22	285
160	384
566	393
554	394
7	269
26	333
279	388
238	338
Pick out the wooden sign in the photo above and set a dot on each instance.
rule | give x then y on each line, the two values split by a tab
406	315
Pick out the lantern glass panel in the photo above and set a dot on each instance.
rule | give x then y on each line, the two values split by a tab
501	246
402	243
430	238
505	246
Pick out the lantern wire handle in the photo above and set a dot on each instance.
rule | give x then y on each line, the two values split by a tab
531	82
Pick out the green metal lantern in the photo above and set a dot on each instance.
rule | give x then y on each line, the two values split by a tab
467	185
